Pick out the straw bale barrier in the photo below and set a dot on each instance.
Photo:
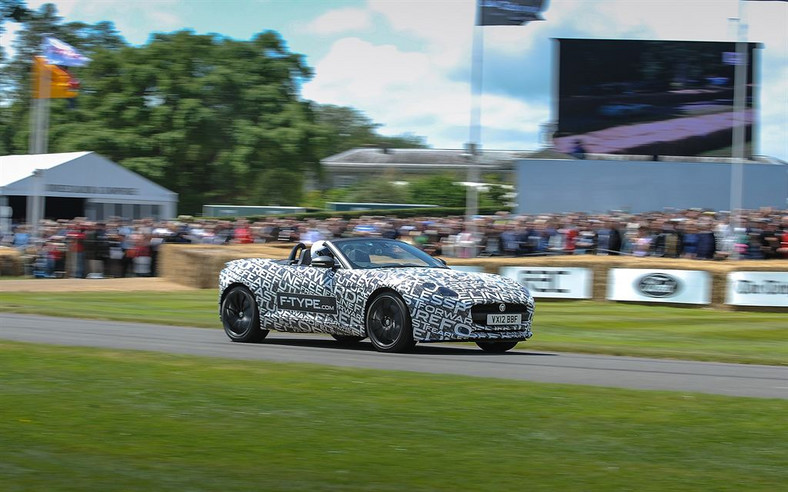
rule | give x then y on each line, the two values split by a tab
199	265
11	263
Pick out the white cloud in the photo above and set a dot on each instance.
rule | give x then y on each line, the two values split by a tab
341	20
7	38
444	27
406	92
389	85
134	20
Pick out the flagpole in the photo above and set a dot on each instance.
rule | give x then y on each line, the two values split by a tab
475	126
739	121
38	143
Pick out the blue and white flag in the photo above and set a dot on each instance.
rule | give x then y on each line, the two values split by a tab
60	53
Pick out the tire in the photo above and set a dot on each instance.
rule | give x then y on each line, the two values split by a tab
497	347
388	324
241	317
347	338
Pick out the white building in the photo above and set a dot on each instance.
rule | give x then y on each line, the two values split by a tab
78	184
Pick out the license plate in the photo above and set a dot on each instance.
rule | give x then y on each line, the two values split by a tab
504	319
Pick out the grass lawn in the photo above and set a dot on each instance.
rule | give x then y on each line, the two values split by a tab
92	419
575	326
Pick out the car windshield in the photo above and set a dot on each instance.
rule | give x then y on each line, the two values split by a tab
385	253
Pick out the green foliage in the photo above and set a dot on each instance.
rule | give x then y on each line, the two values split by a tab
379	190
12	11
211	118
347	128
495	194
110	420
401	213
438	190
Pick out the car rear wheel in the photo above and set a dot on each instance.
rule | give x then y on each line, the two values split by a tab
347	338
496	347
388	324
240	316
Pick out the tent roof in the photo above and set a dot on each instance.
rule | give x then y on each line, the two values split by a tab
77	175
16	167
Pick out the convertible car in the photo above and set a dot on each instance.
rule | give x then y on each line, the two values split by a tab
383	289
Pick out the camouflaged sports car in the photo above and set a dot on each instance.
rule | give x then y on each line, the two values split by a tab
383	289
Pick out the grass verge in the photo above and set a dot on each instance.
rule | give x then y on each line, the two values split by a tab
575	326
90	419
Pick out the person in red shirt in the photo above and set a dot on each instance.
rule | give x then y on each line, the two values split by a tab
75	239
782	251
242	234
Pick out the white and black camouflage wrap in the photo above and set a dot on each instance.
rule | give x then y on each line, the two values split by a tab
442	302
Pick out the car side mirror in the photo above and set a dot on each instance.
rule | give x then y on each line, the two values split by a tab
442	261
323	262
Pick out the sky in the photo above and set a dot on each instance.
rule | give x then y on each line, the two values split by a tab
406	64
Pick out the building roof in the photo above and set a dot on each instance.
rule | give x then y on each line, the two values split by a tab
17	167
77	175
434	158
425	158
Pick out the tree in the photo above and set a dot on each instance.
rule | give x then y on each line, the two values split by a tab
346	128
12	10
438	190
212	118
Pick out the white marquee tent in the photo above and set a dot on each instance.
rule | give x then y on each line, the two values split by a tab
78	184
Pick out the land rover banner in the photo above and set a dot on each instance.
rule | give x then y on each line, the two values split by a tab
666	286
553	282
757	289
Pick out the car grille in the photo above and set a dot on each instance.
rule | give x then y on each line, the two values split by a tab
479	313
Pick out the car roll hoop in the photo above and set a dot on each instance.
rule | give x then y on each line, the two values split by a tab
294	256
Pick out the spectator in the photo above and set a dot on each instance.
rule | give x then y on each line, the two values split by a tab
770	240
690	241
688	233
706	243
75	259
242	234
578	150
641	244
608	239
783	249
668	243
21	238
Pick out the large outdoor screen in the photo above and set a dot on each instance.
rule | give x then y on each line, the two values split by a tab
651	97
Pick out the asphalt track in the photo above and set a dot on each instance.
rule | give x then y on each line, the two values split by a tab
467	360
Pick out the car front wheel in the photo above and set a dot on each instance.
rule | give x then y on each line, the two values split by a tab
240	316
496	347
388	324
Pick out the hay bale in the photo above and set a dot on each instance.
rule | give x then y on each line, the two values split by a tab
198	265
11	262
600	265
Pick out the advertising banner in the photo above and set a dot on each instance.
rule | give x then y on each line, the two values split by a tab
757	289
553	282
667	286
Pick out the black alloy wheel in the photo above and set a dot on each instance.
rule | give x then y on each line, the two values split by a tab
388	324
496	347
240	316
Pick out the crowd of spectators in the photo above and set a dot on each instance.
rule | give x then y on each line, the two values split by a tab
121	248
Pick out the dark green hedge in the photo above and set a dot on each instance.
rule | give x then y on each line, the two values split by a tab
399	213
